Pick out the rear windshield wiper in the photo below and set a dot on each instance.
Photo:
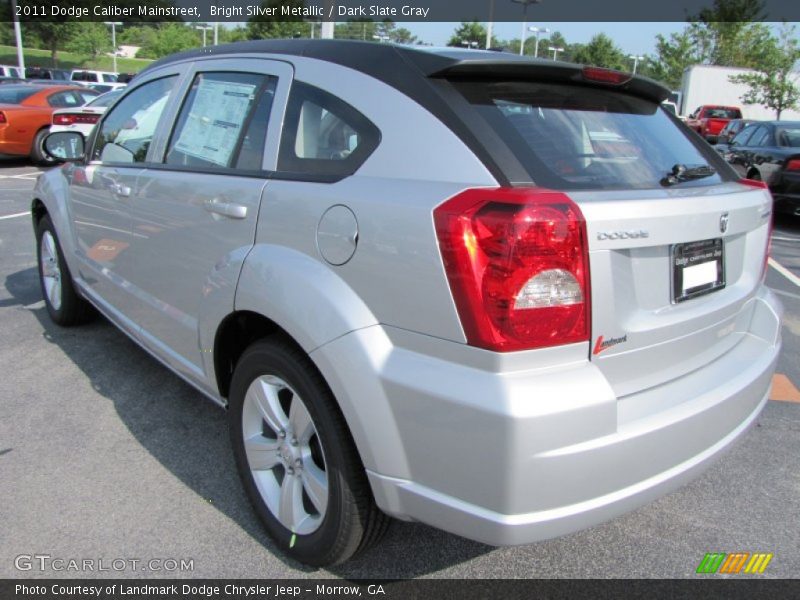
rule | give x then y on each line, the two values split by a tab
681	173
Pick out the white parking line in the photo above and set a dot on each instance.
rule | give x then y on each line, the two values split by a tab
22	175
785	239
784	271
15	215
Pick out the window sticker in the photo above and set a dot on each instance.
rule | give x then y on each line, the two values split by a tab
215	121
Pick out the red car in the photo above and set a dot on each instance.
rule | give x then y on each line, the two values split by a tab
709	120
25	114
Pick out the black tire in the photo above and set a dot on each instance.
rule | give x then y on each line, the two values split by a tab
71	309
351	522
38	155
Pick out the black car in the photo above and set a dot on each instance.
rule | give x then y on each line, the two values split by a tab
769	151
730	130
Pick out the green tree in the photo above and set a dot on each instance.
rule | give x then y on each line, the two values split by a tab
92	39
729	35
52	36
601	52
557	40
355	30
673	57
264	27
772	86
401	35
172	37
473	34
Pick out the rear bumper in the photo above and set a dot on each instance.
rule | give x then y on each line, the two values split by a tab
513	457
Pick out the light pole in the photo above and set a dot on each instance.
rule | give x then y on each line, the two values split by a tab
537	31
203	28
216	33
635	60
525	4
469	44
489	25
555	50
114	25
18	37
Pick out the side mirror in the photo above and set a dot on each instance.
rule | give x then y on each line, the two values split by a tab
65	146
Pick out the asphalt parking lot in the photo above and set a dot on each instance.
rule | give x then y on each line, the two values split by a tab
104	454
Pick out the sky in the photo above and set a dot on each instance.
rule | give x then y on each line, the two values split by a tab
632	38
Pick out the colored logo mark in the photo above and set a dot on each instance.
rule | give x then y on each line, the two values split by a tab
738	562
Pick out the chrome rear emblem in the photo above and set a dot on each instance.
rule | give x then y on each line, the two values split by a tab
723	223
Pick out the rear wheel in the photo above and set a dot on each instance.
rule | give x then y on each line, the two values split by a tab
296	458
38	155
63	303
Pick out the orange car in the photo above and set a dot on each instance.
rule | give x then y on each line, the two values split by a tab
25	114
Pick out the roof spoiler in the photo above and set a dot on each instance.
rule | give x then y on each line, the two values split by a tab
542	70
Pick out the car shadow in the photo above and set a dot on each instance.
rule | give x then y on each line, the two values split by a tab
188	435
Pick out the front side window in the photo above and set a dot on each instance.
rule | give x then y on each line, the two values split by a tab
224	115
126	133
578	137
324	135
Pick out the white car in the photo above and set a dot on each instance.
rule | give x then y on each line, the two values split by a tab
83	118
89	77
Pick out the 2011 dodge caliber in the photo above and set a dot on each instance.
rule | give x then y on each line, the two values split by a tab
508	298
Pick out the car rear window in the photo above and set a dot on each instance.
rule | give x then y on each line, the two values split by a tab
578	137
16	95
723	113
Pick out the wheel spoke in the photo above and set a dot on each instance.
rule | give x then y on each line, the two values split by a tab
55	294
51	246
266	399
300	420
315	483
262	454
290	509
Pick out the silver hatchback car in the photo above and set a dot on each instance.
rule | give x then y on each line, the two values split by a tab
505	297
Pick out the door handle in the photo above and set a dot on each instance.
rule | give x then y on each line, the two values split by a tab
120	190
225	208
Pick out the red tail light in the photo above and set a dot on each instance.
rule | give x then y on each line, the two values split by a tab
3	117
71	119
518	267
601	75
754	183
793	164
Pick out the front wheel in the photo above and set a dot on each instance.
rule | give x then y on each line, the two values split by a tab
63	303
296	458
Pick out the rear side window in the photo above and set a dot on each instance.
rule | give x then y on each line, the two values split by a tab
223	121
66	99
577	137
109	78
789	137
323	135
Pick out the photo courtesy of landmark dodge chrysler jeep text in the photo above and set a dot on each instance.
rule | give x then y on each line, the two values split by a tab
393	267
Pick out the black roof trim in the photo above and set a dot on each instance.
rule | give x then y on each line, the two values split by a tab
421	74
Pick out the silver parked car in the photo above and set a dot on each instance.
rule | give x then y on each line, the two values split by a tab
504	297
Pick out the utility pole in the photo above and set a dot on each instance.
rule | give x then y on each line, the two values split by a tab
555	50
114	25
216	33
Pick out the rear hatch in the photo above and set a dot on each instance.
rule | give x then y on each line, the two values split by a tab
676	243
